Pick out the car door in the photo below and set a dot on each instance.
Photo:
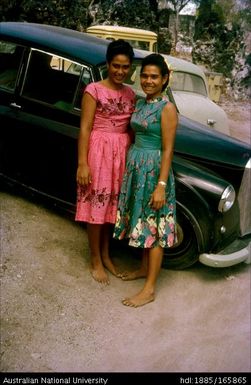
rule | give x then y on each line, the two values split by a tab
11	66
43	114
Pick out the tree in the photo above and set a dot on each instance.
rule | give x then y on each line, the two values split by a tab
125	13
65	13
177	5
10	10
210	15
219	41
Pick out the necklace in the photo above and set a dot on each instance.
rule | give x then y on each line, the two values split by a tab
155	100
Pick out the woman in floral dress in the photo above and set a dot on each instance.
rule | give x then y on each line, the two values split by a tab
147	211
102	146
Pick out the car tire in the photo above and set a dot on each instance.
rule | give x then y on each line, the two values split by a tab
185	252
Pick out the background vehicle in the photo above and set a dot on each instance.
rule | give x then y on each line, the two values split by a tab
43	71
138	38
188	89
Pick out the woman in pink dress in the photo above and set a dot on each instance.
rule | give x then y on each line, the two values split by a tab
103	142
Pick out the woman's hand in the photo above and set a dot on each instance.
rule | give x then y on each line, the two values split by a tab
84	175
158	197
88	108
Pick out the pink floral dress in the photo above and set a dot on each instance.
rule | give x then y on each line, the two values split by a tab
108	145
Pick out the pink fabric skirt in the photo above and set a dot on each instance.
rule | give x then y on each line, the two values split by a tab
97	203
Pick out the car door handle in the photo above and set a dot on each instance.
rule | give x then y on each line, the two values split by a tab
211	122
15	105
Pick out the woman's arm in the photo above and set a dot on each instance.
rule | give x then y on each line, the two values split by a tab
88	109
130	130
169	122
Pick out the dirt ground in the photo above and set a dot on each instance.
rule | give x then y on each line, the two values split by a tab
56	318
239	116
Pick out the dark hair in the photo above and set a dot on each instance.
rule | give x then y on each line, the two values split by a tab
157	60
119	47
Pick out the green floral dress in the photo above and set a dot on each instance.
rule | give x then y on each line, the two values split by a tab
136	219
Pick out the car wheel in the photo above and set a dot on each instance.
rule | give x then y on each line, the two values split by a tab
185	252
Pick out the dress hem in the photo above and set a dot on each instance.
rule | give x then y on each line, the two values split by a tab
95	223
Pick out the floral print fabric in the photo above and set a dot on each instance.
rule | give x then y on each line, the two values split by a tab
136	220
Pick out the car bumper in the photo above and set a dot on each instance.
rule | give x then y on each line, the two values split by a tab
226	259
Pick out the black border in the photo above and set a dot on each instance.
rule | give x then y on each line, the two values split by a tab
128	378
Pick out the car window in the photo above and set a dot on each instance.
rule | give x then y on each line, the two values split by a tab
138	44
10	61
182	81
55	80
86	77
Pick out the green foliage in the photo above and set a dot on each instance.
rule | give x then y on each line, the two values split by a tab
65	13
178	5
10	10
127	13
164	41
219	40
210	15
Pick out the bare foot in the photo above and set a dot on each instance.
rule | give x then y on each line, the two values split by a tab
100	275
130	275
140	299
110	266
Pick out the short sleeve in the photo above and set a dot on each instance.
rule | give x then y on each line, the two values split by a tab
91	89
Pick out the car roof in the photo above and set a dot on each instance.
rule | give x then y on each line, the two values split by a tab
178	64
118	28
77	45
184	66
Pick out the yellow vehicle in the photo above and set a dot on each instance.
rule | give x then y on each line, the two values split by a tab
138	38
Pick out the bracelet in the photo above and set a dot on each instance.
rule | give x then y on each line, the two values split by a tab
162	183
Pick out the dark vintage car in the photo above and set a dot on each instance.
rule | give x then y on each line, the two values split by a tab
43	71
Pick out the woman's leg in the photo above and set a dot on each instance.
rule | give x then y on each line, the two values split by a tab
97	269
147	294
105	252
139	273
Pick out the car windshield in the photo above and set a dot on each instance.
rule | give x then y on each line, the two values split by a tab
139	44
183	81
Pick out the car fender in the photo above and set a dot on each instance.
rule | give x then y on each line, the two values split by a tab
194	207
198	192
206	185
209	113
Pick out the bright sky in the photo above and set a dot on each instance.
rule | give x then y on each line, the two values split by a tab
189	9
